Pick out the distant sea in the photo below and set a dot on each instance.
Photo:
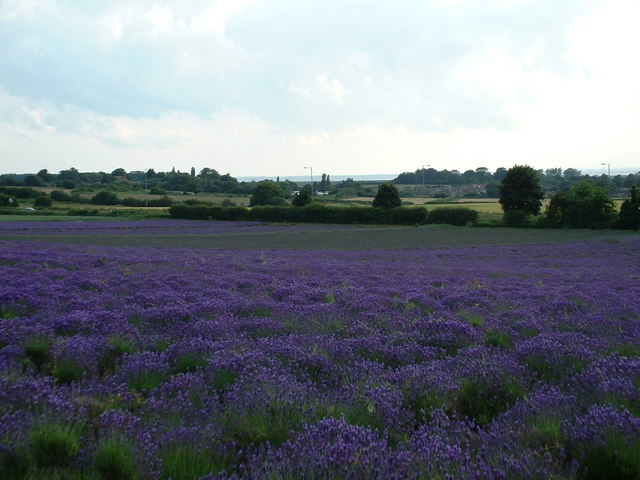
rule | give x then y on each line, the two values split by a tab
317	178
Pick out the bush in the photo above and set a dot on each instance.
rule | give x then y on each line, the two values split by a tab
42	201
387	197
8	201
267	193
311	213
156	190
105	198
302	198
629	218
583	206
453	216
60	196
516	218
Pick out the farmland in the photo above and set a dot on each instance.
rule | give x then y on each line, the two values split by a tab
175	349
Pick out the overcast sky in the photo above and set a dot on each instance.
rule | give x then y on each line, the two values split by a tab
267	87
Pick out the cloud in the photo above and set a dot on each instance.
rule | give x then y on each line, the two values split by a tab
246	80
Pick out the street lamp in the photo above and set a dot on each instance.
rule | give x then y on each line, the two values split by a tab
608	176
311	169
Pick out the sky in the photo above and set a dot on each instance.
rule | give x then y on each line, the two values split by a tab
345	87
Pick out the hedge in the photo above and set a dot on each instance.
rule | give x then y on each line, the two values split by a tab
453	216
312	213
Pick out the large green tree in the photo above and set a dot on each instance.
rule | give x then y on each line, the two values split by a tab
521	190
387	196
630	211
267	192
584	206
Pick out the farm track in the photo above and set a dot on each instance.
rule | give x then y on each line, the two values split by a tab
337	237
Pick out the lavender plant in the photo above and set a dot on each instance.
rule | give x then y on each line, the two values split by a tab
519	361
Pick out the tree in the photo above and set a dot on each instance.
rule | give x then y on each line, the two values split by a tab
520	190
104	198
387	196
302	198
630	212
267	192
584	206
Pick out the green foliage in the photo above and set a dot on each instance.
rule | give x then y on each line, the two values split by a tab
156	190
43	200
114	461
189	362
53	444
60	196
617	458
186	462
8	201
387	197
267	193
13	464
458	216
521	190
497	338
38	351
482	401
516	218
145	381
302	198
583	206
629	218
67	370
105	198
312	213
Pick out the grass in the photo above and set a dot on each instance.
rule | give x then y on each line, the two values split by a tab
334	238
53	444
114	461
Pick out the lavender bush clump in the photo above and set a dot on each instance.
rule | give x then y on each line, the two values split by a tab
494	362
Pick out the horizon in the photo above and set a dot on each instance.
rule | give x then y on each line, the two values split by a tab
356	177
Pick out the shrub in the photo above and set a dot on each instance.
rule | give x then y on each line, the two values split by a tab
584	206
60	196
8	201
302	198
267	193
105	198
42	201
629	218
156	190
387	197
516	218
458	216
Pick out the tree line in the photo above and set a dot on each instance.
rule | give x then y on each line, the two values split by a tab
551	179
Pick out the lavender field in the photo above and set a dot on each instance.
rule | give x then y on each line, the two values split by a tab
513	361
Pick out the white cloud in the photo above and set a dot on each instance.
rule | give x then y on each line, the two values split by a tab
350	85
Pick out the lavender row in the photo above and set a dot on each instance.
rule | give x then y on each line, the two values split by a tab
493	362
148	227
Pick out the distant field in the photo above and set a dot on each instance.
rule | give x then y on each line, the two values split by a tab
229	235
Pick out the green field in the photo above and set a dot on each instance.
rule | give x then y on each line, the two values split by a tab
328	237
